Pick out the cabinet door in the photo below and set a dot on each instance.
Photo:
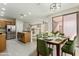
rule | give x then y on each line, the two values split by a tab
2	24
11	22
28	36
2	43
8	22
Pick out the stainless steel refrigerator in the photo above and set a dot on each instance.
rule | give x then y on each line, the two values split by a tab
11	31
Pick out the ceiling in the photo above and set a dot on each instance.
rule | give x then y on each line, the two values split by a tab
32	11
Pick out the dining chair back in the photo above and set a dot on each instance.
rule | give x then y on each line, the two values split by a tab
69	47
42	48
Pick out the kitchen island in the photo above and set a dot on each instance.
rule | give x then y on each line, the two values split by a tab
24	36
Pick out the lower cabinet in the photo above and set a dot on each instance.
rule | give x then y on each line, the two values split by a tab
2	43
24	37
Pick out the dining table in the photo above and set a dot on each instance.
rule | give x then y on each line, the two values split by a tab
56	41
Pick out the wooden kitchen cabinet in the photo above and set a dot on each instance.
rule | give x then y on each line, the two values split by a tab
2	42
2	23
24	37
10	22
5	22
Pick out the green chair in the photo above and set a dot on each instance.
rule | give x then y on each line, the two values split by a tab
42	48
69	47
70	41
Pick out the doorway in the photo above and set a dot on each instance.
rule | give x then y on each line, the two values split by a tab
35	29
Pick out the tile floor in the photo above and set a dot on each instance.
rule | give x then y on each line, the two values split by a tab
17	48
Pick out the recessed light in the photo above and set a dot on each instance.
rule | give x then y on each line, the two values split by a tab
29	13
2	12
25	15
1	15
3	9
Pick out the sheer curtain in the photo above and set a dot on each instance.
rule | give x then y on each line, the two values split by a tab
70	25
57	24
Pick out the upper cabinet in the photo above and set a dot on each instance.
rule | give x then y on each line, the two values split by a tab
4	22
10	22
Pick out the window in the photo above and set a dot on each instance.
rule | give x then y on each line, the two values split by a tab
66	24
70	25
57	24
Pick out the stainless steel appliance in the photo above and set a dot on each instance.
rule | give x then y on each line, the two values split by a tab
11	31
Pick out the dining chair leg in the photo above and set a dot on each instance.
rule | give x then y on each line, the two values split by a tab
52	53
61	53
37	53
49	46
73	54
65	54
